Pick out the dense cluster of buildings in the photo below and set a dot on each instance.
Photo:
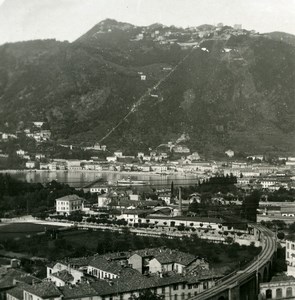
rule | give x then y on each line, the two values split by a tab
170	273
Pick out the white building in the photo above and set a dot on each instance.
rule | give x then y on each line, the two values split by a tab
68	204
30	164
103	200
290	257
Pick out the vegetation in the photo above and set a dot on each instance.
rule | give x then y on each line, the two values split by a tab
99	84
73	243
18	197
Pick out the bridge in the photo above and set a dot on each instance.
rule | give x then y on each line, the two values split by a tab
244	284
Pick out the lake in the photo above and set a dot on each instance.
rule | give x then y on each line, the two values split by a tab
82	178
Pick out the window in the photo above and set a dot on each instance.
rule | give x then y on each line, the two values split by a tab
190	286
175	297
183	286
196	293
175	287
163	290
182	296
289	292
189	295
287	244
287	254
121	296
279	293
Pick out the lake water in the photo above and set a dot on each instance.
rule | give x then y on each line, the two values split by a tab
80	179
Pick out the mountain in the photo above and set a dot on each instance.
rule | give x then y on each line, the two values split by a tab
230	89
282	36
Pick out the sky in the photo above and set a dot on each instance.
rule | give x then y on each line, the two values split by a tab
68	19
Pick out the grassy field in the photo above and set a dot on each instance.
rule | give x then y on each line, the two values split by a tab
20	230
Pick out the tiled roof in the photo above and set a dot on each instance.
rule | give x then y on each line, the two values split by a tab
175	256
44	290
70	198
63	275
282	277
78	261
132	280
79	291
17	292
13	275
105	265
165	255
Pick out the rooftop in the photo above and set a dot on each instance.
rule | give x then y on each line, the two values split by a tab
12	275
79	291
165	255
102	263
63	275
69	198
44	290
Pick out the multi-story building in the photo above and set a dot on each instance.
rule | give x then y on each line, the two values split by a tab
68	204
290	256
280	287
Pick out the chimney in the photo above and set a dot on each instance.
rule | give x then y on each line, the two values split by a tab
180	201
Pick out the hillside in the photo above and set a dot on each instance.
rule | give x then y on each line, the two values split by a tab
232	91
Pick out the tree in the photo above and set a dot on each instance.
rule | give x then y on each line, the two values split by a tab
250	206
281	235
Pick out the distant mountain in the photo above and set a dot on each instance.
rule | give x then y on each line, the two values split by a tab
230	90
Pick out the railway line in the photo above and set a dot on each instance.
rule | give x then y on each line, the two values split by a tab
241	276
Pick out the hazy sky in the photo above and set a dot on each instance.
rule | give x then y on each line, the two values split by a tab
68	19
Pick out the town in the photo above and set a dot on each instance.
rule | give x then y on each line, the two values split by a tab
125	176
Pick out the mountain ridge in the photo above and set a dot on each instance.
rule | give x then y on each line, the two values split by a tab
221	96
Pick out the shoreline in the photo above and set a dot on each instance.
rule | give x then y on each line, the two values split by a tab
12	171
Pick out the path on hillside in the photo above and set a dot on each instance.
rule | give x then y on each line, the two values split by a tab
148	93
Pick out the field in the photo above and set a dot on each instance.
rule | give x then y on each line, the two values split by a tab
21	230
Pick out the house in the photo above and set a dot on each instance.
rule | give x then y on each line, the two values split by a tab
73	164
13	277
101	189
42	290
134	197
142	77
61	273
166	196
39	156
100	267
30	164
68	204
38	124
111	158
181	149
20	152
230	153
45	134
163	260
140	154
103	200
44	166
118	153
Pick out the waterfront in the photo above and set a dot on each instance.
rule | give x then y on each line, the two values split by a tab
82	178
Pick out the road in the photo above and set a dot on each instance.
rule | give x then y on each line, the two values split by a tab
238	277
